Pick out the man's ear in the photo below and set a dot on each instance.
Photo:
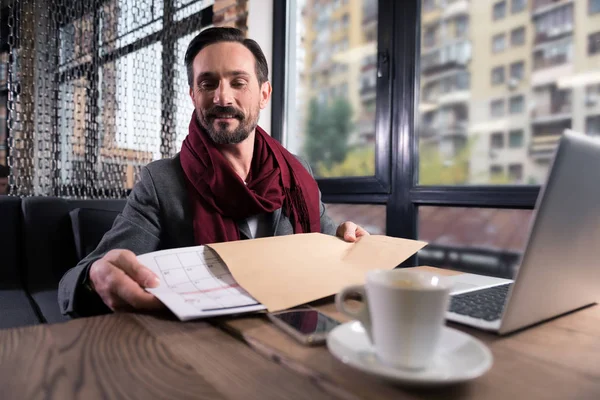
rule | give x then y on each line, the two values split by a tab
192	94
265	94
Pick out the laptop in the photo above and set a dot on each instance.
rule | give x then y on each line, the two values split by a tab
560	268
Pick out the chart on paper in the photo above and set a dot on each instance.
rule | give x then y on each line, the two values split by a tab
195	283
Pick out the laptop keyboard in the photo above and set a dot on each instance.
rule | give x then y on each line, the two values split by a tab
484	304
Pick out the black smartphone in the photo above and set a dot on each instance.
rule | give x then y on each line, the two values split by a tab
306	325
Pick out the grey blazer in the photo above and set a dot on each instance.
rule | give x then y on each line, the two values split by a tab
157	216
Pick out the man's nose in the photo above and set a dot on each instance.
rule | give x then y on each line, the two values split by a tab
223	95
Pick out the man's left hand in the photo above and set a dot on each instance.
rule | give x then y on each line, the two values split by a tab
350	232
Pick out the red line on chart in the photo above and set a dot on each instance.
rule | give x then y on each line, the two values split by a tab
235	285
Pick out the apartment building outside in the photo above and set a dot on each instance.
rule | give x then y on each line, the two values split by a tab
506	77
339	52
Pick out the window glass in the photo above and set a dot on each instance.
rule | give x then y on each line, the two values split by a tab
499	10
517	70
532	68
479	240
518	6
517	36
498	75
369	216
331	87
594	43
123	22
129	121
515	139
498	43
594	6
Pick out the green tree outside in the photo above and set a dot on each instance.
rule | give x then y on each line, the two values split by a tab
327	132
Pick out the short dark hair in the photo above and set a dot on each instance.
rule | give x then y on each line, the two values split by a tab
4	171
225	34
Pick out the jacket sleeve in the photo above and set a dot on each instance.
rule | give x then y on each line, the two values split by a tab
137	229
327	225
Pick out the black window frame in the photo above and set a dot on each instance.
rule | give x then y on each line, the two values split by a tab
400	26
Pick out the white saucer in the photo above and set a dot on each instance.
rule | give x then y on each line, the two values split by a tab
461	357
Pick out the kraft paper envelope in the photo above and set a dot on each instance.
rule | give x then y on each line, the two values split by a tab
286	271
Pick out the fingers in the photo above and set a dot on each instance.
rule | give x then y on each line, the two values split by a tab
126	261
133	295
117	278
350	232
360	231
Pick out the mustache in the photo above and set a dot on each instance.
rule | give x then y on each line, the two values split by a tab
217	111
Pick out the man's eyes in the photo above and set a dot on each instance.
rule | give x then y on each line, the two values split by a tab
212	85
238	83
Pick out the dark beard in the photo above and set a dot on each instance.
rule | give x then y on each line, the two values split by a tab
220	134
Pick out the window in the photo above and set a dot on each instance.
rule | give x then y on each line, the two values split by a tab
516	104
592	125
497	108
553	54
428	5
499	10
594	43
592	95
497	140
496	171
517	36
517	70
498	43
462	26
487	241
369	216
554	23
430	36
518	6
515	139
498	75
515	172
507	70
345	21
594	6
332	126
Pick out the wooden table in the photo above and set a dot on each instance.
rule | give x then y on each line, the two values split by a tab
136	356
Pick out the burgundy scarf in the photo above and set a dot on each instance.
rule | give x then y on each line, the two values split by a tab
220	198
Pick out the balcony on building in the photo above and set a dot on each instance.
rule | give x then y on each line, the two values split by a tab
541	7
454	8
544	140
446	122
430	12
552	61
369	12
368	86
448	88
551	105
447	56
554	23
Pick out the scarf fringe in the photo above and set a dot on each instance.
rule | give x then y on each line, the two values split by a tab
294	201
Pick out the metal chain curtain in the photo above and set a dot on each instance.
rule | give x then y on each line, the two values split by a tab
97	89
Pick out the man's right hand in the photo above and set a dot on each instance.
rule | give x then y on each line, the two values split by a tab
119	279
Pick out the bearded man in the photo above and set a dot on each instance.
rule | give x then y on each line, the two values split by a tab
230	181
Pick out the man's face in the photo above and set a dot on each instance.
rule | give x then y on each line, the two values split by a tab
3	186
226	93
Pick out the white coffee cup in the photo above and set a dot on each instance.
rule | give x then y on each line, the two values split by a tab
403	314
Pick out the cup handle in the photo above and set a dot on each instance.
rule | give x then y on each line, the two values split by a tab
362	313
